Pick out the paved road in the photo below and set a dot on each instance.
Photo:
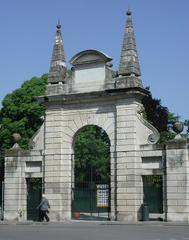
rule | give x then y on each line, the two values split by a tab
93	231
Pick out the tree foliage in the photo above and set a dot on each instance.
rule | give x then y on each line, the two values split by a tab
159	116
186	123
156	114
22	113
92	155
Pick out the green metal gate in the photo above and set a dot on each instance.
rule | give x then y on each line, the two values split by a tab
153	192
34	192
91	174
91	202
1	200
1	193
91	198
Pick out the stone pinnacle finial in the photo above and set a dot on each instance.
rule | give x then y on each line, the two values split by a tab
16	138
178	127
129	12
129	64
58	26
58	69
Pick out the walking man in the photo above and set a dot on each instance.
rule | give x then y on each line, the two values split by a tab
44	208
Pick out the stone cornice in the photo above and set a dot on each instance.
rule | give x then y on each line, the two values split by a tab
108	95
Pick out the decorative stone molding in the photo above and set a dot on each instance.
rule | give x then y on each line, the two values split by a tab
37	141
154	136
89	56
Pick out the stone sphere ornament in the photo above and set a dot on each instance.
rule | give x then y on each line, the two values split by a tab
178	127
16	137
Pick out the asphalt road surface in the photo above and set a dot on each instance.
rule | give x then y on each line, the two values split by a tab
93	231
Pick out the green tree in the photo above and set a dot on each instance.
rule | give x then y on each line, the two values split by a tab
92	155
159	116
21	113
186	123
156	114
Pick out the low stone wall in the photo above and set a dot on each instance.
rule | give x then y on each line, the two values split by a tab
16	172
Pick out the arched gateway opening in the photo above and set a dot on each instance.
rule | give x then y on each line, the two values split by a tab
91	174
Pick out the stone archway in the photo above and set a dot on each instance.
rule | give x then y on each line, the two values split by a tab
62	125
75	120
91	174
95	95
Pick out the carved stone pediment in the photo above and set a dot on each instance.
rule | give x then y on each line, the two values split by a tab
89	56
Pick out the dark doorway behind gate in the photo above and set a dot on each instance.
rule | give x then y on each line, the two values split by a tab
91	175
34	192
153	192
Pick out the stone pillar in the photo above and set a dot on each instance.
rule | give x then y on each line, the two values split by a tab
177	180
15	186
57	165
128	165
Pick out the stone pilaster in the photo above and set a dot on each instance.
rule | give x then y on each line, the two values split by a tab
57	165
177	181
15	186
128	165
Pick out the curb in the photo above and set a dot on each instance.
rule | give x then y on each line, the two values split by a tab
108	223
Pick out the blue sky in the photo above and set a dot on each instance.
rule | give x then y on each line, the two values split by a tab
161	29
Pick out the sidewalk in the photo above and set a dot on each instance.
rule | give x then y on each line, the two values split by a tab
77	222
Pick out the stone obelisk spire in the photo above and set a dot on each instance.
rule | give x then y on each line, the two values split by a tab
57	72
129	64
